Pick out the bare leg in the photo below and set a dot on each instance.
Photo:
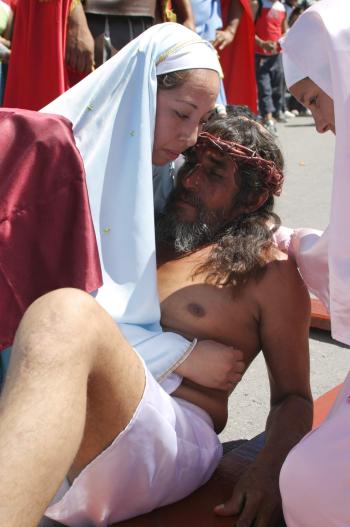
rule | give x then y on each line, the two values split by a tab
70	369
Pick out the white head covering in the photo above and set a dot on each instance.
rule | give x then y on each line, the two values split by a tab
292	73
319	46
113	114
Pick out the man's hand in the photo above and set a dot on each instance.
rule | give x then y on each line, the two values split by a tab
270	46
213	365
223	38
80	43
255	499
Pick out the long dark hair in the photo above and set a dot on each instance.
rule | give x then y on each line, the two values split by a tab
245	245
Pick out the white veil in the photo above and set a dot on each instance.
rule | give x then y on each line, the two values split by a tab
318	45
113	114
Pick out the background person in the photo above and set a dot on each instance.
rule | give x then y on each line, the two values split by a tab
236	47
39	70
270	25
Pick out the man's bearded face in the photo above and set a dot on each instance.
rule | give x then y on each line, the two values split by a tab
200	205
184	235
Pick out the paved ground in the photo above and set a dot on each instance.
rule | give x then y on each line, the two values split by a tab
304	203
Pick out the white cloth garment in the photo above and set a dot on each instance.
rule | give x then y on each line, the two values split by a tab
292	74
113	114
319	46
168	449
314	480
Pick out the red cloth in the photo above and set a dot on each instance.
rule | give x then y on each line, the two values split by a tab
238	59
37	73
47	239
12	4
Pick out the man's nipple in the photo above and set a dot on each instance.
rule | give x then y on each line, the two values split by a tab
196	310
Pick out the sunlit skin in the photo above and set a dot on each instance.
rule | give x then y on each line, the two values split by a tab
181	113
213	183
260	315
318	102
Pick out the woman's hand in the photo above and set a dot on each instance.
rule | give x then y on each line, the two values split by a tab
213	365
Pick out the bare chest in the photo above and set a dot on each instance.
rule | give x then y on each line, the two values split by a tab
197	309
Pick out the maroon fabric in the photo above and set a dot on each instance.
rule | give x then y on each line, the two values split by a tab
47	240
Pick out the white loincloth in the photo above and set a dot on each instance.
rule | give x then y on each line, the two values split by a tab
167	451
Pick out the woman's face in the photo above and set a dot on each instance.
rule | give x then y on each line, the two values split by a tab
181	113
318	102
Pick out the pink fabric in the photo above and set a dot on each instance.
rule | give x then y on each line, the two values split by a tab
301	244
315	478
319	45
47	239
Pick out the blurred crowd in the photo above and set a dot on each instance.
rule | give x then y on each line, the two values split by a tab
47	46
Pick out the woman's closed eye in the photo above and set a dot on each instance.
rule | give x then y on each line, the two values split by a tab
181	115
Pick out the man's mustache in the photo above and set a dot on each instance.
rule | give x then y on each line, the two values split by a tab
188	197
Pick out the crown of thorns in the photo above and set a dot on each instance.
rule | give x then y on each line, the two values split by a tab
273	177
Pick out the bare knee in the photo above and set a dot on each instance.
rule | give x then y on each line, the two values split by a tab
59	324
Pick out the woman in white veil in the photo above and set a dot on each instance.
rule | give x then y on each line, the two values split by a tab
145	104
314	480
114	114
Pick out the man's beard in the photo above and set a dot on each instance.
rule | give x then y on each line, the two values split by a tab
184	236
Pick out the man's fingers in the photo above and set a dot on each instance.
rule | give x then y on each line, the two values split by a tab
269	516
81	61
258	511
248	516
231	507
71	59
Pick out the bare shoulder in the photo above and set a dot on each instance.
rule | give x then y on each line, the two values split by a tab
282	290
282	273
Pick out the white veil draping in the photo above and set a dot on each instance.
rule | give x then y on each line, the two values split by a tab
113	114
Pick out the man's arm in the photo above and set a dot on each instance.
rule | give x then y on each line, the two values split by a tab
184	14
285	312
80	43
225	36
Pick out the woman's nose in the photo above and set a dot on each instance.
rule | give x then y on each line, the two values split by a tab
190	136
